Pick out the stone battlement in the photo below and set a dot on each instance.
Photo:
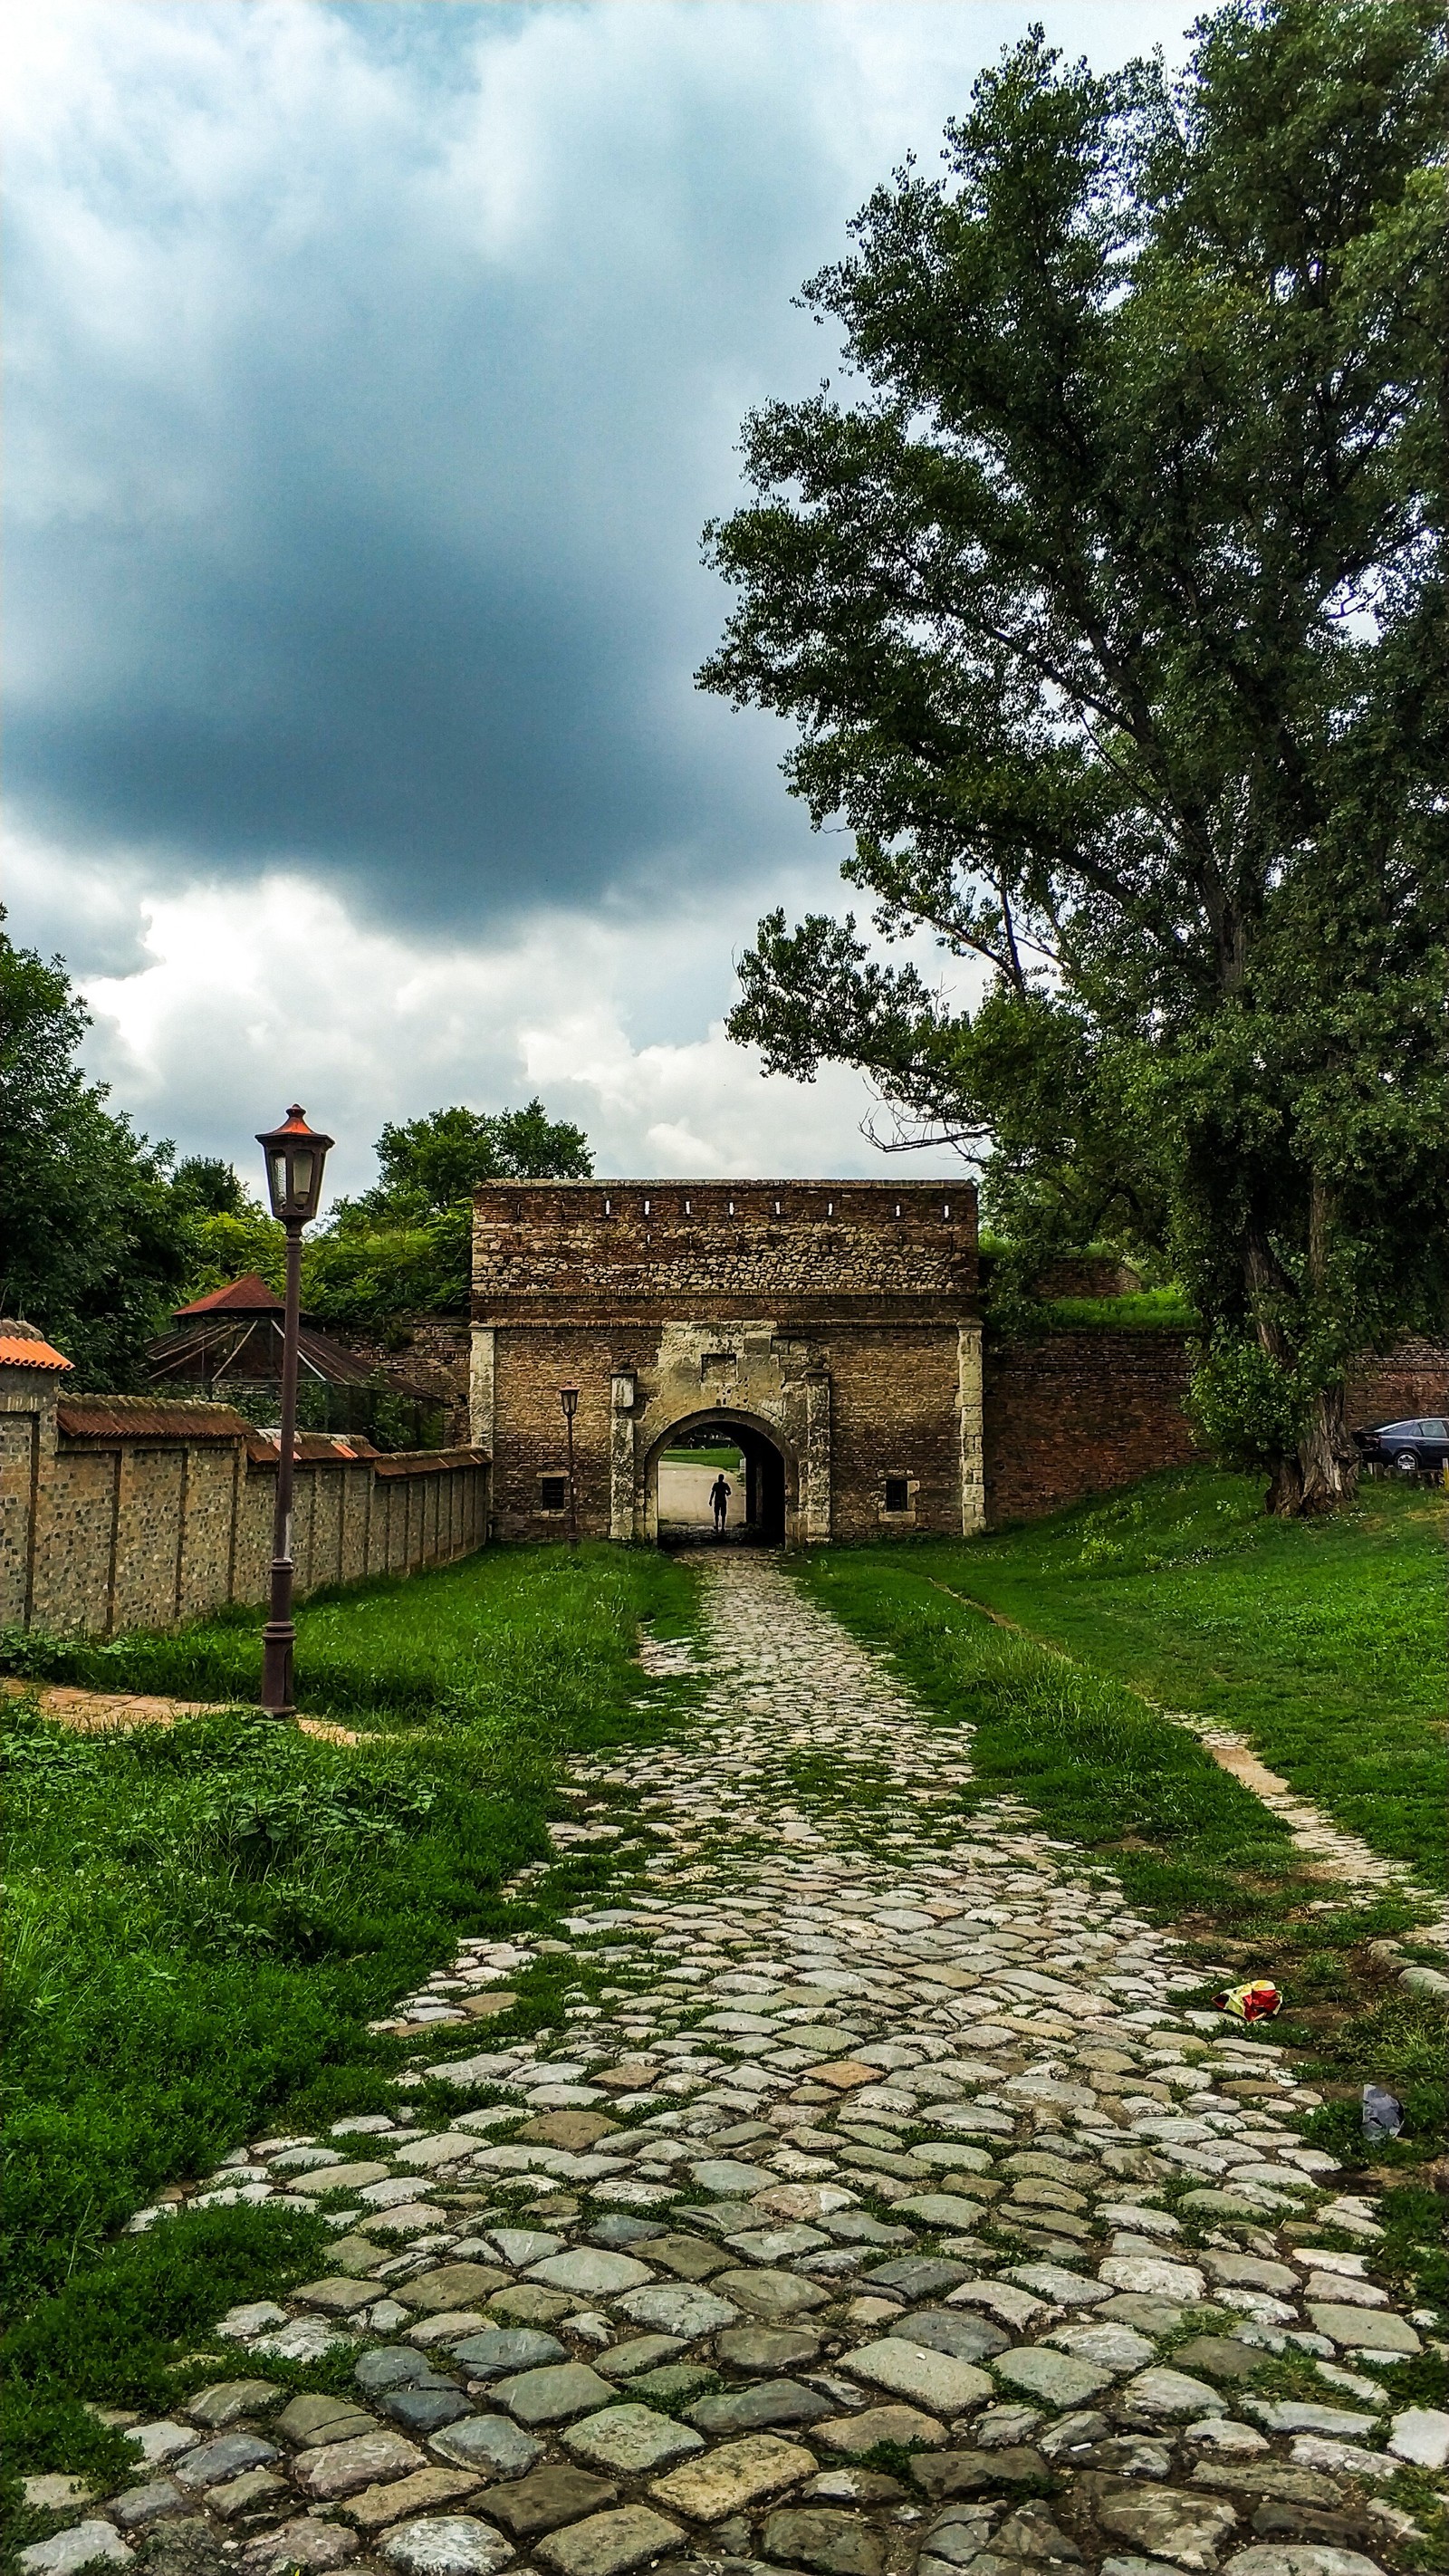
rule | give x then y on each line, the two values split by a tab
785	1246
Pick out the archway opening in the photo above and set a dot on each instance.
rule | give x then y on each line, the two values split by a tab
687	1468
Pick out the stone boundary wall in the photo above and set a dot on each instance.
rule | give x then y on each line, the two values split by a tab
1413	1379
123	1512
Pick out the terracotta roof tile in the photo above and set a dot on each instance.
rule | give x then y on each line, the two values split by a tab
18	1352
145	1417
248	1296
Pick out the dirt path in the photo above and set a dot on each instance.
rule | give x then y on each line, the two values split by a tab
90	1712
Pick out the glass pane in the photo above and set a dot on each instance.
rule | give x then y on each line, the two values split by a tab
302	1175
279	1180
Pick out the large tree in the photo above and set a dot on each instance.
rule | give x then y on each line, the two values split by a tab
1109	611
94	1243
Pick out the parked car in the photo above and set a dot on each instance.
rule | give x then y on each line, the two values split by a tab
1408	1446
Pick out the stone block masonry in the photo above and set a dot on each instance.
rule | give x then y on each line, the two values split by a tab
832	1327
835	1330
123	1512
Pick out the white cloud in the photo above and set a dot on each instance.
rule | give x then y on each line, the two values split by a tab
233	1000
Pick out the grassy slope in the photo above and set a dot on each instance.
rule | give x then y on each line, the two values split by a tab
1103	1768
204	1918
1321	1642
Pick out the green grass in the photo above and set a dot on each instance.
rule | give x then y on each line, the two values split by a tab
1101	1767
1143	1310
1321	1642
203	1918
729	1459
1146	1594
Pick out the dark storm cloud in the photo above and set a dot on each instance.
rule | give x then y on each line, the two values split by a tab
371	372
372	397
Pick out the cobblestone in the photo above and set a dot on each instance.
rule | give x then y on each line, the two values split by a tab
866	2141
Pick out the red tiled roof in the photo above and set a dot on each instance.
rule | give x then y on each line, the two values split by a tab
144	1417
18	1351
310	1448
248	1296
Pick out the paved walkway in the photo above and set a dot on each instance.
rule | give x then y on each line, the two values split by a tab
876	2209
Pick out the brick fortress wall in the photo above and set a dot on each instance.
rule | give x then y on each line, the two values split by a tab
831	1314
1072	1414
841	1317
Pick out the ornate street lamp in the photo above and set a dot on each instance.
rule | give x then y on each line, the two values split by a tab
568	1397
295	1155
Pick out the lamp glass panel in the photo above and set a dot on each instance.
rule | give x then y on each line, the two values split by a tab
301	1176
279	1183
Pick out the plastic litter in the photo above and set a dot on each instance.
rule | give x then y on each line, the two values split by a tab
1383	2113
1258	2000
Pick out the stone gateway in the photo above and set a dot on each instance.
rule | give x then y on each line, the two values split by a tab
831	1328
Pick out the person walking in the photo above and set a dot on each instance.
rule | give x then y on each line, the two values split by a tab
719	1503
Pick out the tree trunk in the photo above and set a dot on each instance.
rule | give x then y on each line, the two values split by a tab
1321	1474
1327	1458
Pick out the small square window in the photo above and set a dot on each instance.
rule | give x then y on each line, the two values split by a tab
553	1493
897	1494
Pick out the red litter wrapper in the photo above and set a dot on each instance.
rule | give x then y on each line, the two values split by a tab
1257	2001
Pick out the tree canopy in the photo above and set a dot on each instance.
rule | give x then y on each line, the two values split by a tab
403	1247
1109	612
433	1162
94	1244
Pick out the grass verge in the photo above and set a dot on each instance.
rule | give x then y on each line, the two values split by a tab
1189	1844
203	1918
1321	1642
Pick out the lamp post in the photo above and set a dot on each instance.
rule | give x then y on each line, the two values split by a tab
568	1397
295	1154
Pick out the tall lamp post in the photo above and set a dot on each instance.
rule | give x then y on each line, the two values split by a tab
568	1397
295	1155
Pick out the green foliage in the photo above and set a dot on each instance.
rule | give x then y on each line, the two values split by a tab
1109	613
1248	1405
437	1160
1149	1310
203	1918
403	1247
227	1243
93	1242
210	1186
366	1269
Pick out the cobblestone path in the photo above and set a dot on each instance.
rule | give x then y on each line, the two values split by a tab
876	2210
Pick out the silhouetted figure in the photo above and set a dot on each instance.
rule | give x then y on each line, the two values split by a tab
719	1503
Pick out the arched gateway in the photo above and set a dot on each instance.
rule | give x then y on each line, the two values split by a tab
833	1325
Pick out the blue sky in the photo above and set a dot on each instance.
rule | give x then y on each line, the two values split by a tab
372	370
